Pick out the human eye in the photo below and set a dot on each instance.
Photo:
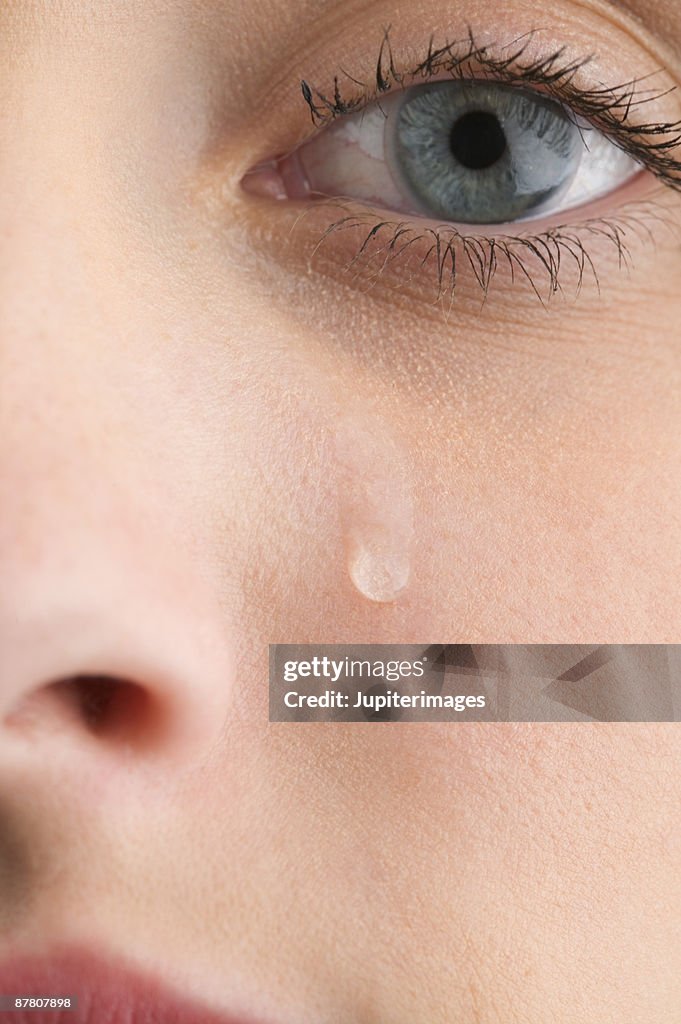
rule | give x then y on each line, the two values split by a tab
483	154
466	152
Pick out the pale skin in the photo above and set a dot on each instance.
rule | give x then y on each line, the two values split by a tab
196	411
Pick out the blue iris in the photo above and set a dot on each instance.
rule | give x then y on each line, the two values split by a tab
482	152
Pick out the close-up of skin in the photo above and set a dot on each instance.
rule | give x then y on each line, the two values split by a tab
262	383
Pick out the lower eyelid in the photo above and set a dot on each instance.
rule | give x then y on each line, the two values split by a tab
437	264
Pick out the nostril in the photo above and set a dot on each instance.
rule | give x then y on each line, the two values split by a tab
107	706
110	708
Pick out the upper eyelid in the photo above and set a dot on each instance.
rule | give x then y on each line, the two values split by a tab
609	109
548	71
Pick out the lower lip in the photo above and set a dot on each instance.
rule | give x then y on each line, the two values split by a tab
105	992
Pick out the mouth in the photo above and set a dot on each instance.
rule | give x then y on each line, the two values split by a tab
98	991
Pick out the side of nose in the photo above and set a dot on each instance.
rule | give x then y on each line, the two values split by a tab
108	619
107	637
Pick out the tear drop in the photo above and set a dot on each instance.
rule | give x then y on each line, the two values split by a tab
376	508
378	572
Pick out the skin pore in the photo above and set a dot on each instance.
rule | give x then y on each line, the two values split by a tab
214	436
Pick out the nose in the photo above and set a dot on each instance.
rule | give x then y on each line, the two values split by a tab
106	620
103	635
108	623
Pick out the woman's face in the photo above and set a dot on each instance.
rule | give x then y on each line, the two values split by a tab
223	425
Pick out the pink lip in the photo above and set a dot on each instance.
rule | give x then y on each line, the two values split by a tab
106	991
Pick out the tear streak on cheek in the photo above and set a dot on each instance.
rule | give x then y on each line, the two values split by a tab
375	505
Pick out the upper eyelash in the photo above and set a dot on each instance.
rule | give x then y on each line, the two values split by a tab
606	108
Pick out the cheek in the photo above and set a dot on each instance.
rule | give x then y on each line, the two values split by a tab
311	492
526	458
328	498
489	845
332	505
506	541
427	479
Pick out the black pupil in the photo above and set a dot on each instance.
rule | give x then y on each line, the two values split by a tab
477	140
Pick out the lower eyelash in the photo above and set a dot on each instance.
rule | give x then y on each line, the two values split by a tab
539	259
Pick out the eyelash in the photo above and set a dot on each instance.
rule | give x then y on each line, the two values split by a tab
607	109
